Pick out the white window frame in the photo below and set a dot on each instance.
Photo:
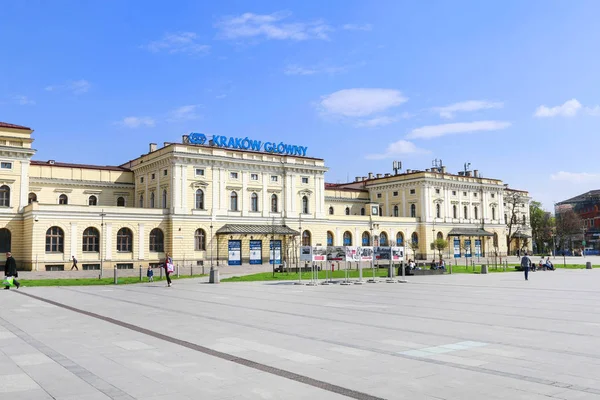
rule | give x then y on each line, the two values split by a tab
254	177
201	170
3	163
234	175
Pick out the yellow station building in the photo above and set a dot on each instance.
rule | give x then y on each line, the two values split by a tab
195	198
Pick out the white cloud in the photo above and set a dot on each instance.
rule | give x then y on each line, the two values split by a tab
136	122
576	177
357	27
570	108
466	106
376	121
360	102
271	26
76	87
400	147
181	42
24	100
184	113
433	131
293	69
594	111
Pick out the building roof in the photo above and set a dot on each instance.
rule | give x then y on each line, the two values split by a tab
340	186
13	126
469	232
588	196
256	230
84	166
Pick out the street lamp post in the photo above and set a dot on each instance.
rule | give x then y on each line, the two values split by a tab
211	246
102	215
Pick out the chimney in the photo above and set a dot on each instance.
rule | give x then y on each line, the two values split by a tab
408	171
370	175
51	162
165	144
467	173
152	147
427	170
443	170
357	179
387	175
476	173
378	176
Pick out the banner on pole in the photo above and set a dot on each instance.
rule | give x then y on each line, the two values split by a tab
319	253
456	247
336	253
468	248
235	252
397	253
477	248
365	253
275	252
305	253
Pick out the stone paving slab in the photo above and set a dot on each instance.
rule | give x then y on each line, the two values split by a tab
437	337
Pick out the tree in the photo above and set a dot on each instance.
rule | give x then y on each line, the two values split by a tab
440	245
514	203
568	223
414	246
542	224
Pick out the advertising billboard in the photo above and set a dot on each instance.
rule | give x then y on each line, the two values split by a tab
256	252
234	248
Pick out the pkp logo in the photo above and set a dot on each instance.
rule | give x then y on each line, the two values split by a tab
197	138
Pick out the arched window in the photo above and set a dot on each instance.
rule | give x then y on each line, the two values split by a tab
306	238
120	201
347	239
495	240
92	201
329	238
31	198
254	202
505	219
396	211
200	240
124	240
304	204
199	199
63	199
475	213
274	203
524	219
440	235
413	210
514	219
91	240
414	238
438	211
330	210
164	198
152	200
383	239
5	240
454	212
362	211
381	210
366	239
399	239
347	210
157	240
493	213
465	212
141	201
4	196
233	201
55	240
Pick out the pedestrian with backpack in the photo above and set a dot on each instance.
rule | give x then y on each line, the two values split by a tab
525	264
10	271
169	269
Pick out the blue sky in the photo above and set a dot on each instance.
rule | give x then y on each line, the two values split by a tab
508	86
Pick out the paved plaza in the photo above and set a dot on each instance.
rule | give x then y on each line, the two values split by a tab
463	336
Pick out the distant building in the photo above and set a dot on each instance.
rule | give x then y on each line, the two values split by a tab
587	207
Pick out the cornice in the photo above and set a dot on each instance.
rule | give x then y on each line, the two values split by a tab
78	183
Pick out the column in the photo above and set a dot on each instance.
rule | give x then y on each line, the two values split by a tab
337	240
108	241
423	206
293	197
287	197
403	202
73	240
484	206
447	205
387	205
223	195
23	196
264	203
215	191
141	241
243	197
184	188
175	190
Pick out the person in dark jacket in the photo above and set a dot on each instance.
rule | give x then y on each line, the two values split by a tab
10	269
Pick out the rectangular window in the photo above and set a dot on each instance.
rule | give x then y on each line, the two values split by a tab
125	266
274	178
395	194
153	176
412	191
464	193
305	179
493	195
90	267
6	165
454	193
55	267
378	195
474	194
142	179
165	172
253	177
437	191
199	172
233	175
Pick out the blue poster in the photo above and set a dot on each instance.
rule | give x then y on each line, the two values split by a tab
468	248
235	252
477	248
256	252
456	247
275	252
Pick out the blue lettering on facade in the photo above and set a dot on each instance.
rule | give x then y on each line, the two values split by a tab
249	144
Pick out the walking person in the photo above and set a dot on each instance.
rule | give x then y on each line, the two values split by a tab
168	269
525	264
74	264
10	270
150	274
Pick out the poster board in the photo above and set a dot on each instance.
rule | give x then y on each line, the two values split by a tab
234	248
306	253
477	248
365	253
382	253
456	247
319	253
397	253
256	252
336	253
275	252
468	248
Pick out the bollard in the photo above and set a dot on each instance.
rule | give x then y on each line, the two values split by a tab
141	273
588	265
161	272
484	268
214	276
178	270
116	275
191	269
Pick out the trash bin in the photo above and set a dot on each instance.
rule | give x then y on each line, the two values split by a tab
484	268
214	276
588	265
